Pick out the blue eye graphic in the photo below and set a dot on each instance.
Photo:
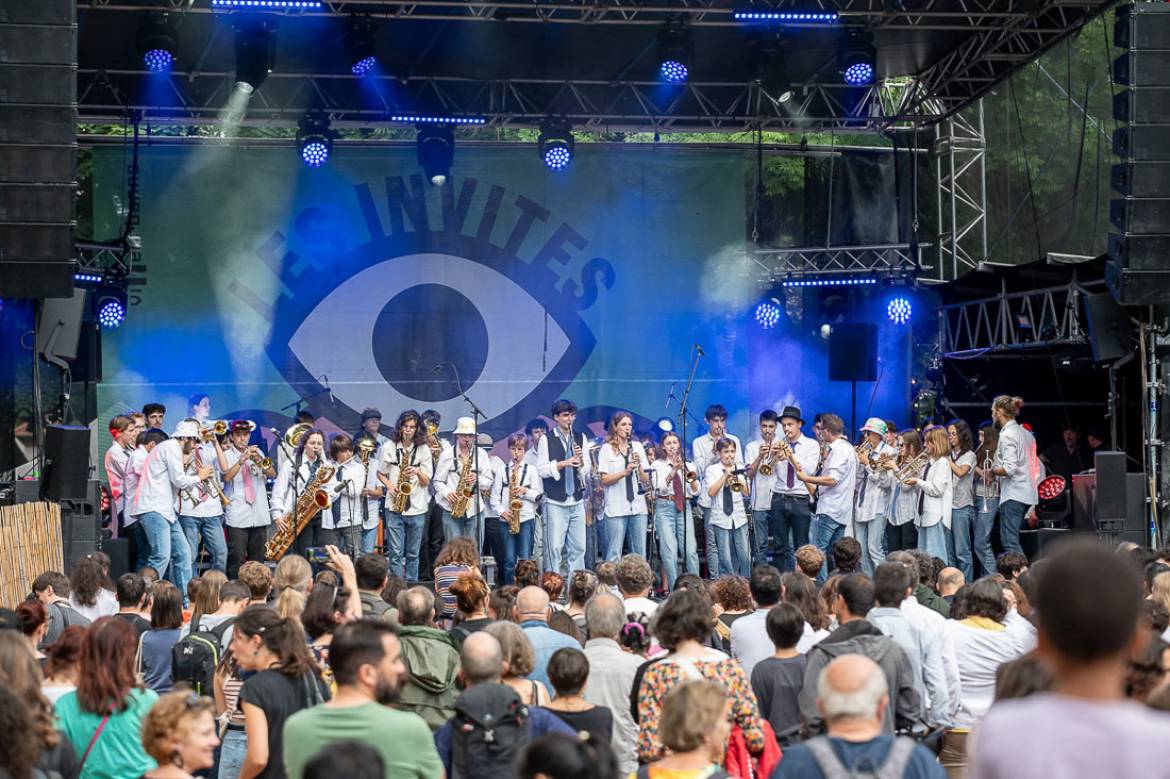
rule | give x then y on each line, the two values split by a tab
394	312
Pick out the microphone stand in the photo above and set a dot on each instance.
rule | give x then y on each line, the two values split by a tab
475	415
696	355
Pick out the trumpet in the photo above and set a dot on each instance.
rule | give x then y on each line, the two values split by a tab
912	467
217	428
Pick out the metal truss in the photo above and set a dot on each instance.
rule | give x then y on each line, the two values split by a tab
960	162
1014	321
885	260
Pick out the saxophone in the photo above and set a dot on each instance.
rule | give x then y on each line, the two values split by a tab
404	486
464	492
308	505
514	502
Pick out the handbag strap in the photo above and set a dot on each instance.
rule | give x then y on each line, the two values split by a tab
101	726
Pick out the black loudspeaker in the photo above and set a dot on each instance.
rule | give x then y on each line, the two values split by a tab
66	462
1109	333
1110	501
853	352
81	524
1138	273
38	147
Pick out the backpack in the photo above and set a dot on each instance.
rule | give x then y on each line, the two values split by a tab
893	767
490	730
195	656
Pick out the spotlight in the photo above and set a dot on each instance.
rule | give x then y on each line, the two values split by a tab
857	59
254	53
360	46
899	310
436	152
158	42
556	145
314	140
768	313
674	53
110	308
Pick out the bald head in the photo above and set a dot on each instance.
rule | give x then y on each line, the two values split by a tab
532	603
950	580
852	687
481	659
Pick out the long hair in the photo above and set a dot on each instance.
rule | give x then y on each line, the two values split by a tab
20	673
420	432
966	441
611	427
106	674
911	445
280	635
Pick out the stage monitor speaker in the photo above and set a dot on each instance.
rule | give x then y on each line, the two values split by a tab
38	147
1109	333
66	462
853	352
81	524
1110	501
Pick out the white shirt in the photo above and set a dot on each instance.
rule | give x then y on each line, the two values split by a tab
116	461
393	456
349	499
836	502
873	487
206	505
447	479
662	483
133	476
808	454
161	479
287	489
703	450
527	478
717	517
611	461
1016	454
239	513
761	485
937	493
548	469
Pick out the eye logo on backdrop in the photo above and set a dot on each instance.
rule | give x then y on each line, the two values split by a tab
407	318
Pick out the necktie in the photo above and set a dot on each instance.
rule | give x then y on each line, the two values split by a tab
249	486
678	491
922	495
629	479
728	502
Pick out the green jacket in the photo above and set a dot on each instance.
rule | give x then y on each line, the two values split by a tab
431	657
932	600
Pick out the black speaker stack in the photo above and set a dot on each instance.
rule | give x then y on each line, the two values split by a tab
1138	273
38	147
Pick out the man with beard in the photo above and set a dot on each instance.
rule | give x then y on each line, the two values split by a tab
367	664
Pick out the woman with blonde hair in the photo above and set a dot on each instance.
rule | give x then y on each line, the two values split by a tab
20	673
694	728
519	660
937	485
179	733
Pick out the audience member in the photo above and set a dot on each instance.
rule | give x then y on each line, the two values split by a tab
733	598
852	697
367	665
431	657
519	660
569	670
749	636
108	701
856	636
134	602
372	571
61	666
693	730
611	674
557	756
471	597
532	612
847	555
154	646
1087	599
635	580
179	734
777	680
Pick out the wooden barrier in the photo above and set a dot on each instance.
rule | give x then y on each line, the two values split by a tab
30	544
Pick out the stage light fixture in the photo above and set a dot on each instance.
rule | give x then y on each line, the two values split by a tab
794	17
158	42
110	308
254	52
898	310
360	45
314	139
556	145
857	59
675	48
768	313
436	152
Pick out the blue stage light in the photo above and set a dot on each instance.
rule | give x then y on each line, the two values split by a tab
858	74
899	310
786	17
158	60
673	72
767	314
432	119
111	312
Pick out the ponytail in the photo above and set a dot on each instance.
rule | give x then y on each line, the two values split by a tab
283	636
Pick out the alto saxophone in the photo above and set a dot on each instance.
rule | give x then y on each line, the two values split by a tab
308	505
464	492
514	502
404	486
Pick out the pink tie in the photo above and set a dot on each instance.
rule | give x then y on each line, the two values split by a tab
249	487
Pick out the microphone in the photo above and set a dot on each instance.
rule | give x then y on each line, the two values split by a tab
699	349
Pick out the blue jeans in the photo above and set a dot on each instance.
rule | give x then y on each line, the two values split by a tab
959	541
734	554
231	754
630	530
468	526
760	543
564	537
1011	519
516	547
789	522
170	554
712	541
674	535
403	540
984	522
872	537
933	540
825	532
214	541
